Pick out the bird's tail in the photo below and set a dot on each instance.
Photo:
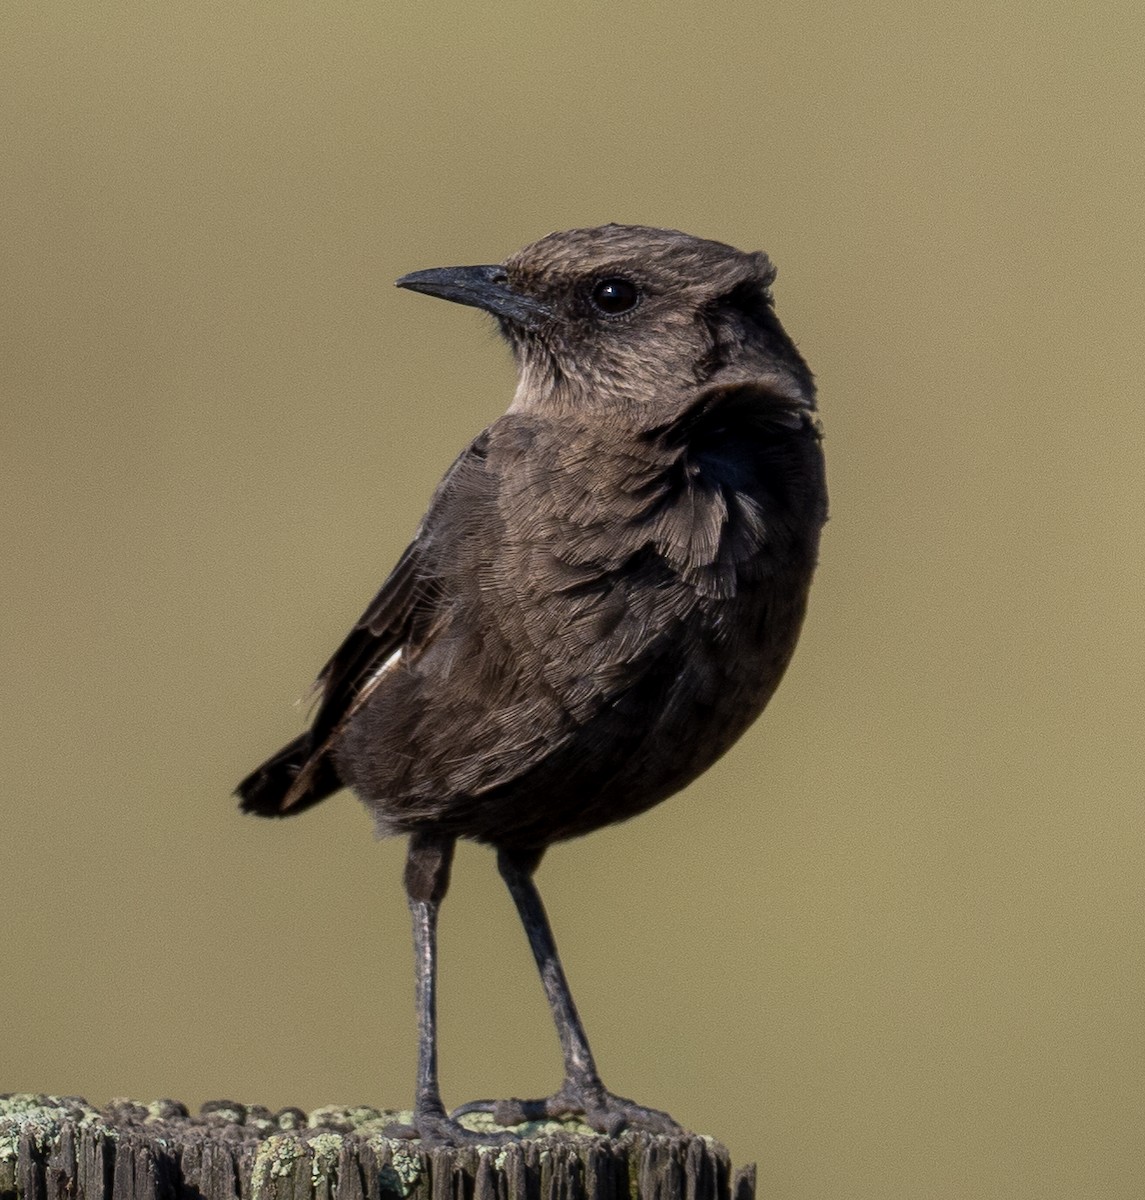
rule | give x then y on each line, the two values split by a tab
288	782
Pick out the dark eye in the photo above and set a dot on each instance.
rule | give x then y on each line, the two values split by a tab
615	296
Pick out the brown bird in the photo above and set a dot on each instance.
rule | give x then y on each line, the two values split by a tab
604	594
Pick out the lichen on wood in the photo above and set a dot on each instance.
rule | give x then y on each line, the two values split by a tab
62	1148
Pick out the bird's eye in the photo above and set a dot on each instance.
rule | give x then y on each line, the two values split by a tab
615	296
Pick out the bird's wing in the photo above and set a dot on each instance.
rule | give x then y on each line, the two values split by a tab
380	633
401	618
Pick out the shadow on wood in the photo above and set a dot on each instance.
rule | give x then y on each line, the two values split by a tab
60	1148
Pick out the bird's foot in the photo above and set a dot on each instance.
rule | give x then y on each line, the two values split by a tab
436	1129
597	1108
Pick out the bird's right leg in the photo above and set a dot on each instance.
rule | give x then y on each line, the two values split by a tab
426	881
582	1093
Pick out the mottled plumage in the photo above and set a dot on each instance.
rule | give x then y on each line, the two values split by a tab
604	593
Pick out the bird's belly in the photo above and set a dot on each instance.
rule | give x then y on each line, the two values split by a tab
535	768
693	709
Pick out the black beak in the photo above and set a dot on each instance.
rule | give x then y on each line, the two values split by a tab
482	287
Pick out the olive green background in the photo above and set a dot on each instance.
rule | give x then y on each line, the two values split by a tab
891	946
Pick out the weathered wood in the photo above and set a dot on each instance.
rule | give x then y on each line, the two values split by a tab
60	1148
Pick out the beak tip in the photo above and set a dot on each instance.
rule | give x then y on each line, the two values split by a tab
485	287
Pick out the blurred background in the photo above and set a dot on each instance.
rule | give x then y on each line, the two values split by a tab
892	945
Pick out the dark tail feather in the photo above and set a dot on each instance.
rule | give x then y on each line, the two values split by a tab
288	782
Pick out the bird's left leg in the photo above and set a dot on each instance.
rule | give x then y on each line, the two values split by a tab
426	880
582	1093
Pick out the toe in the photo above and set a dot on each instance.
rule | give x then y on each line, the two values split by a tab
436	1129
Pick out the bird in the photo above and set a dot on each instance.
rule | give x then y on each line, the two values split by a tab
603	595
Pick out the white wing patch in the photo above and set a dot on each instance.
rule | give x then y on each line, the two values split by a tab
376	677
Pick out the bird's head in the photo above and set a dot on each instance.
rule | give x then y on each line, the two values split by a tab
631	320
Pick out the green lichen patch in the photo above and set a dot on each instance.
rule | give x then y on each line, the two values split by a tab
276	1159
360	1119
39	1116
404	1170
326	1148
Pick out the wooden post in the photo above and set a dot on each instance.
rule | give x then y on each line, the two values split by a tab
60	1148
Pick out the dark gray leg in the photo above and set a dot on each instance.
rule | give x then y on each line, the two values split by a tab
426	880
579	1064
582	1093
